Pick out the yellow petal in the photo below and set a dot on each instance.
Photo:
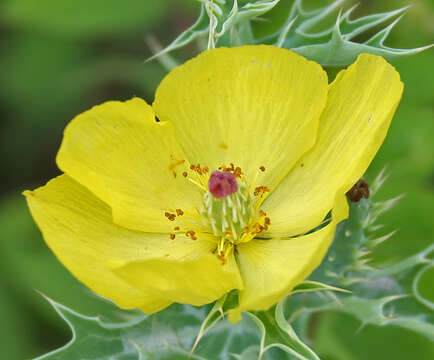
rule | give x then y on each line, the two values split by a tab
271	268
79	230
196	278
361	103
119	152
251	105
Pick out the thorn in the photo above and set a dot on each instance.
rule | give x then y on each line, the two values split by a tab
298	6
378	241
362	253
347	14
159	53
187	36
379	180
316	16
338	23
364	261
196	342
384	206
391	298
260	19
378	39
332	274
39	292
362	325
361	265
285	31
369	21
367	221
367	267
354	280
375	228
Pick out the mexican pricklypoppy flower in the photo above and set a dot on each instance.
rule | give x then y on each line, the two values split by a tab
253	149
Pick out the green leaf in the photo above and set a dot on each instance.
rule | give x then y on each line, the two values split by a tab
303	32
181	332
198	29
216	314
218	18
169	334
276	332
390	296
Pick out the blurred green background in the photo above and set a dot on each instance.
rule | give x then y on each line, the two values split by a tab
58	58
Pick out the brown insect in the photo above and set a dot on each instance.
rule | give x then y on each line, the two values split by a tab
359	190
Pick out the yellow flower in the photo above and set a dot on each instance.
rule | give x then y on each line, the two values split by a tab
137	217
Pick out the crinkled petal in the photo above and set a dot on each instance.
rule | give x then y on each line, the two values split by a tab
271	268
361	103
120	153
194	278
78	228
251	106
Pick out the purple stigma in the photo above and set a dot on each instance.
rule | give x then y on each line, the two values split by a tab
222	184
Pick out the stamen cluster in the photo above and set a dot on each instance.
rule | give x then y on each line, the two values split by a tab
230	208
229	216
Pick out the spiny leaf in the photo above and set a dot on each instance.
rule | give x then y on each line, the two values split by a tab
276	332
330	47
214	316
169	334
199	28
217	18
228	13
352	28
379	240
217	313
428	303
313	18
97	340
174	333
388	296
333	46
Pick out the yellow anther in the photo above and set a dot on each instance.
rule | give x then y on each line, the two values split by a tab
170	216
261	190
191	234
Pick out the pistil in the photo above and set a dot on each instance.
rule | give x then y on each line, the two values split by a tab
221	184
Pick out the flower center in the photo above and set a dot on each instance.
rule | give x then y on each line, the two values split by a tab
228	206
231	210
